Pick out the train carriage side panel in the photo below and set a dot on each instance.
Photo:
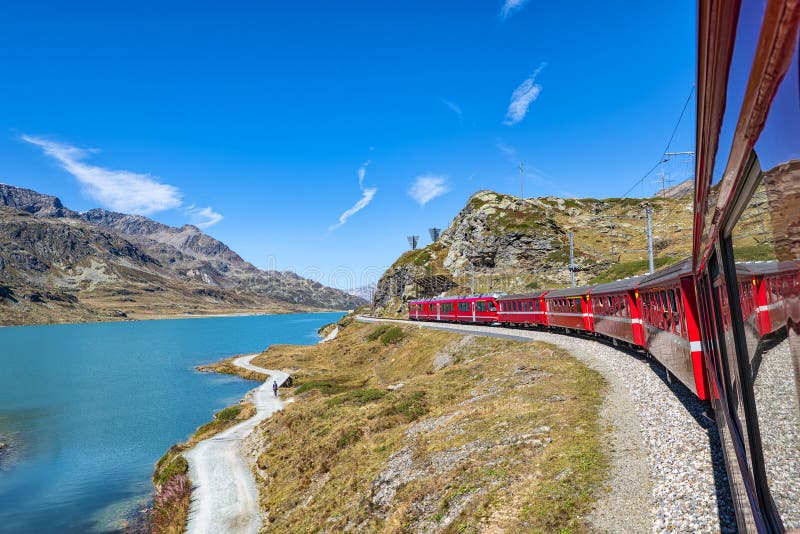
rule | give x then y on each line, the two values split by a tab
614	310
570	308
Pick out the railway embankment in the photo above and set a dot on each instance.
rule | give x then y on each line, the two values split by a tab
666	469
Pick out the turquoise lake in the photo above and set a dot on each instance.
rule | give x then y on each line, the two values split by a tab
87	409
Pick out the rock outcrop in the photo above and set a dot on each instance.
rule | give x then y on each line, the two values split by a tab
514	244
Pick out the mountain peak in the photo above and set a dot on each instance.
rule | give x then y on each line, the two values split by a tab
33	202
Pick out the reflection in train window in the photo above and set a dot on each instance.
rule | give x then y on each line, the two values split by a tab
765	249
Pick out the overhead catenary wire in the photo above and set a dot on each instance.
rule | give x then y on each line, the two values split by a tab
669	143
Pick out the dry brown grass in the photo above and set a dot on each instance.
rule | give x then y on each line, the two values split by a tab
504	438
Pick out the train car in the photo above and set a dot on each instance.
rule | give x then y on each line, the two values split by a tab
615	311
421	310
570	308
477	308
435	309
523	309
770	280
747	207
670	326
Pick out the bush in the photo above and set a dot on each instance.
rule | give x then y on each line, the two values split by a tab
171	464
229	414
392	336
378	332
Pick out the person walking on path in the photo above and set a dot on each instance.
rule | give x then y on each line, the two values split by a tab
275	387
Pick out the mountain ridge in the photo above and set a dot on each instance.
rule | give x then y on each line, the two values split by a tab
59	265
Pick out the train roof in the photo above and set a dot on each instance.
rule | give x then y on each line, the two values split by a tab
534	295
570	292
459	297
669	274
765	267
626	284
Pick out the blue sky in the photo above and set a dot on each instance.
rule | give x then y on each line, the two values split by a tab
316	136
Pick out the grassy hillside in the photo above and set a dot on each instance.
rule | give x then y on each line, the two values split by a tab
395	428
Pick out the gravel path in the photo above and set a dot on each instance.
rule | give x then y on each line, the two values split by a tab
224	496
667	469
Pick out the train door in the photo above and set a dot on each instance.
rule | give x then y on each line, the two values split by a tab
473	304
438	311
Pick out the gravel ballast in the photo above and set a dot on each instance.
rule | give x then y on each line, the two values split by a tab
667	470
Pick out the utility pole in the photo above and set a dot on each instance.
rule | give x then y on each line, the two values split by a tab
648	212
571	260
521	191
472	287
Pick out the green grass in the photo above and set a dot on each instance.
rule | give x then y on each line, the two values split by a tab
326	387
358	397
760	252
630	268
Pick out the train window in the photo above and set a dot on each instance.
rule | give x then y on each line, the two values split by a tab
492	307
480	306
765	244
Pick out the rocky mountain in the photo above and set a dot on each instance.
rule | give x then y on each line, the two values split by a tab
59	265
513	244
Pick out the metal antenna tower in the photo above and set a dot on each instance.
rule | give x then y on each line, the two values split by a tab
412	241
435	233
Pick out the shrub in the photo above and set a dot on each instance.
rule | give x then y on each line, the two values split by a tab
171	464
378	332
392	336
229	414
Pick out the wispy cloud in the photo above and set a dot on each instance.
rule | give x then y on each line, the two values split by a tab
366	197
362	173
522	97
508	150
452	106
510	6
120	190
367	194
203	217
427	187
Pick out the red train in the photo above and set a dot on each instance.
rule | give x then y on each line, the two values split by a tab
656	313
726	327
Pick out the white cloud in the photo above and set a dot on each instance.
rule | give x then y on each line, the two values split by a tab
203	217
363	202
120	190
452	106
427	187
366	197
522	97
362	172
509	6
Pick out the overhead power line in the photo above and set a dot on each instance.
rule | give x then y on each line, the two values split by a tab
663	154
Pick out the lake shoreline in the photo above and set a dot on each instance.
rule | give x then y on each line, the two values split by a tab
112	320
159	400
